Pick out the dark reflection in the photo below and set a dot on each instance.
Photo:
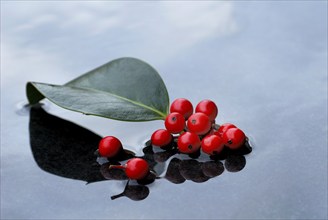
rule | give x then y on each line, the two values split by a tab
192	170
63	148
121	156
149	155
133	192
112	174
195	154
235	163
161	157
150	178
212	168
226	152
179	171
173	172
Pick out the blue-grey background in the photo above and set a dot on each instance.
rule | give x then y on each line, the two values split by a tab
263	62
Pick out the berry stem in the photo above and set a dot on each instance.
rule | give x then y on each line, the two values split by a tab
153	172
116	167
117	196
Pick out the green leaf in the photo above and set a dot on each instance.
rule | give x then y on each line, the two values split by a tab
124	89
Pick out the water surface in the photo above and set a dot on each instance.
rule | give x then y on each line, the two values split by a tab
263	63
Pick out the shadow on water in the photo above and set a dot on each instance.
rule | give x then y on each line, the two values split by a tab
65	149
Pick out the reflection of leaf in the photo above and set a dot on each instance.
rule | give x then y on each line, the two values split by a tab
63	148
125	89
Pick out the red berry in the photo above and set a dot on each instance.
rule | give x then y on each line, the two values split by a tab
207	107
234	138
188	143
161	137
199	123
136	168
182	106
212	144
223	128
109	146
175	122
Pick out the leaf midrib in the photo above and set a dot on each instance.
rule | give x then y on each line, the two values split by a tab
162	114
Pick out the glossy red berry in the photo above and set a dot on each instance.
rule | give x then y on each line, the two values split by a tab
161	138
182	106
234	138
109	146
212	144
207	107
199	123
175	122
223	128
188	143
136	168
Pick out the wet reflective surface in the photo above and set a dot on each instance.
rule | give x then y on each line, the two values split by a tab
263	63
67	150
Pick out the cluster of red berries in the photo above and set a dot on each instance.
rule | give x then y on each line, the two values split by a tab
193	131
197	130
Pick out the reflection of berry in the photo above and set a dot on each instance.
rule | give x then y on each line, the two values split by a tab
175	122
161	138
192	170
235	163
207	107
109	146
163	156
212	144
188	143
212	168
136	168
182	106
172	173
234	138
199	123
134	192
223	128
148	179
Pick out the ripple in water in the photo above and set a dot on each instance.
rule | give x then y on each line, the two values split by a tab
23	108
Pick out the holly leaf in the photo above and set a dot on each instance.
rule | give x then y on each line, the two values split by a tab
124	89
